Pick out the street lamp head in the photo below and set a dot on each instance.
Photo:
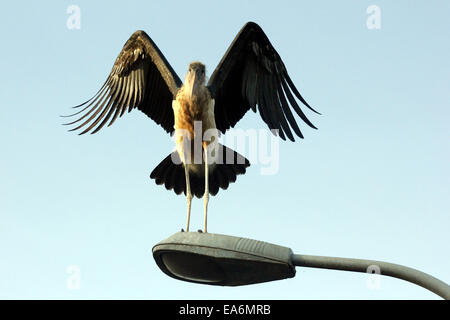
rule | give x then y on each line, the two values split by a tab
217	259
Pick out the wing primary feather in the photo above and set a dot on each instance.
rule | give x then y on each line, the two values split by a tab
273	109
137	80
102	87
129	94
114	106
276	103
287	109
299	96
250	85
99	117
135	92
97	107
130	97
295	105
99	95
136	89
105	120
105	109
143	83
122	103
140	80
262	104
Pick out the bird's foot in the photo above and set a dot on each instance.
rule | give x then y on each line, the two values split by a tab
200	231
182	230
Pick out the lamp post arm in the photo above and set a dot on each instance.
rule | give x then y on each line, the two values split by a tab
385	268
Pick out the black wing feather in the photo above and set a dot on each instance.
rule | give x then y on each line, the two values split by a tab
140	78
251	75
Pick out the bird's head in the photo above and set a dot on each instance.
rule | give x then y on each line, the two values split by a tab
195	78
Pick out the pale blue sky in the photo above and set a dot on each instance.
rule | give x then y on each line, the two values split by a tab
372	182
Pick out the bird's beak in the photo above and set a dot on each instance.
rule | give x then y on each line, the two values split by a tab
193	83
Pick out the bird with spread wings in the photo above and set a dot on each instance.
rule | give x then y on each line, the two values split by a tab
251	75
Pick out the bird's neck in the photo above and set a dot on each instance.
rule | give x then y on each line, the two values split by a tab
197	101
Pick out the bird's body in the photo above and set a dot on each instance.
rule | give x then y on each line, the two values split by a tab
191	106
251	75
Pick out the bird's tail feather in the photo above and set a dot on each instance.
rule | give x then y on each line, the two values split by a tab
170	173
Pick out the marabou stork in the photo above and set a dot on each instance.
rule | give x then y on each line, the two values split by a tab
251	75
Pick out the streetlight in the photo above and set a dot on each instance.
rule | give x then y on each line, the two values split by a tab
216	259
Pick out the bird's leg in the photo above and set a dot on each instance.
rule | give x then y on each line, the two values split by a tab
206	195
188	196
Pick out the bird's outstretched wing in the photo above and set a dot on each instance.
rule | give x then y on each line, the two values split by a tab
140	78
251	74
